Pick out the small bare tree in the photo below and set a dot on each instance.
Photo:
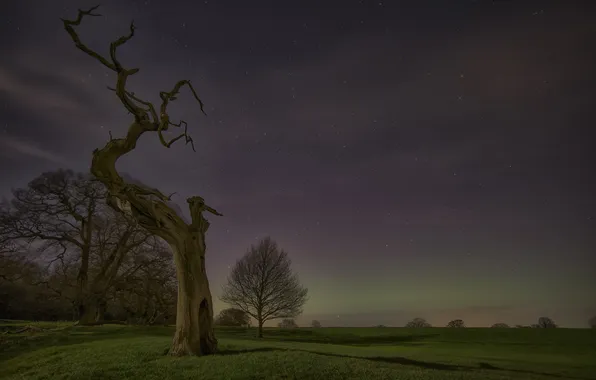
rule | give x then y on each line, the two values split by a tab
457	323
149	207
417	323
263	285
546	323
315	324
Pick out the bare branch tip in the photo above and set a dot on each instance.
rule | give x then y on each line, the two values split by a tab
89	12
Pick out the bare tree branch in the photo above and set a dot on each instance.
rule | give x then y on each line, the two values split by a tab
262	285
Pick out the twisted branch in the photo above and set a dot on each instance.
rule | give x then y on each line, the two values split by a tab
135	105
146	203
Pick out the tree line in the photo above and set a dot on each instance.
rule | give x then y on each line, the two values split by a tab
66	255
233	317
543	322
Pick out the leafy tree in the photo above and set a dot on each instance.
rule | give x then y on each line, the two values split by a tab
500	326
287	323
233	317
456	323
546	323
315	324
418	323
262	284
150	208
592	322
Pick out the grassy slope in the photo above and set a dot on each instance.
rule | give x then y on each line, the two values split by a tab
121	352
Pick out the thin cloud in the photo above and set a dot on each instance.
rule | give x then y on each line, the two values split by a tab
30	149
35	97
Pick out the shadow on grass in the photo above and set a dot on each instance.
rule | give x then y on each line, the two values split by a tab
407	362
488	366
230	352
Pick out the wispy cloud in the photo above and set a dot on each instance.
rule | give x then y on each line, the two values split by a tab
40	98
18	146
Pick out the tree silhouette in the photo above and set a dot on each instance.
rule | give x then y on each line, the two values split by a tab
233	317
149	207
458	323
65	215
262	284
316	324
546	323
418	323
500	326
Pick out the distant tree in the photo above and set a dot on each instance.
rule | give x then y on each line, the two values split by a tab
316	324
546	323
262	285
380	326
534	326
287	323
521	326
233	317
500	326
418	323
457	323
592	322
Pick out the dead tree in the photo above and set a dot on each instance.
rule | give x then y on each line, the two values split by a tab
149	207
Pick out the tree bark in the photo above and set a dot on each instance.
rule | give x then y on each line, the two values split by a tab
88	312
194	314
260	330
82	282
101	311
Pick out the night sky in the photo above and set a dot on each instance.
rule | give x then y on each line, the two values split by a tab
415	158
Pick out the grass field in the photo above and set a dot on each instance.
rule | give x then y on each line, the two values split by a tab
125	352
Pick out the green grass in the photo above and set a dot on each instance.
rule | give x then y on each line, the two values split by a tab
125	352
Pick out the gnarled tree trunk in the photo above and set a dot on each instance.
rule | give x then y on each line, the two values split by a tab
149	207
194	312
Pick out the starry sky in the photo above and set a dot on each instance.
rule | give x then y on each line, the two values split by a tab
415	158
